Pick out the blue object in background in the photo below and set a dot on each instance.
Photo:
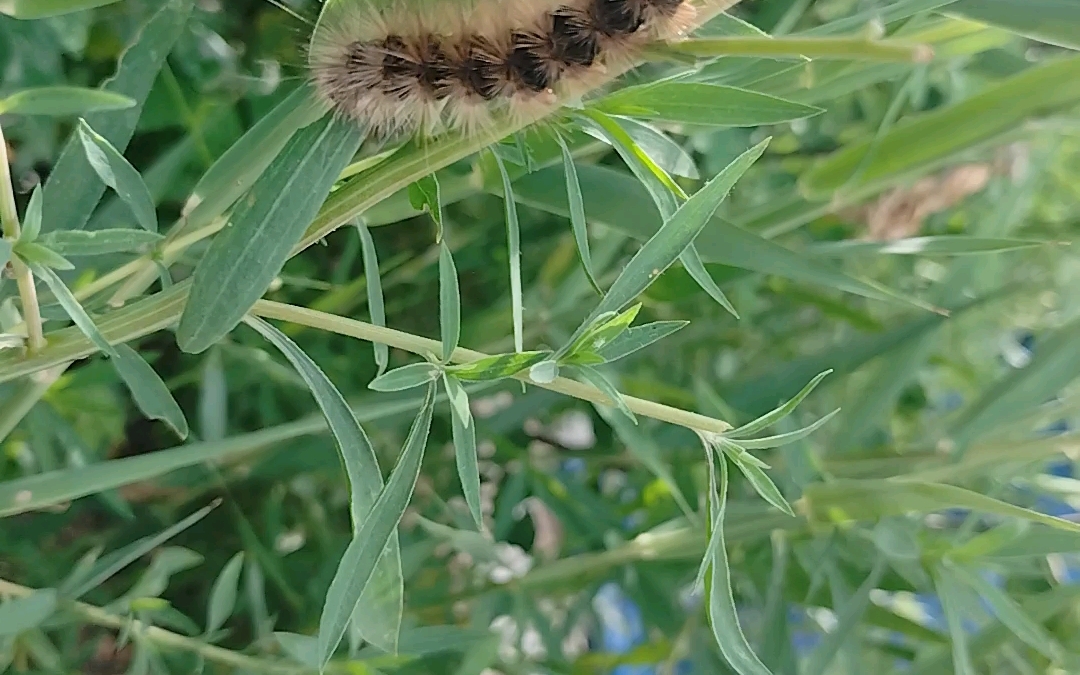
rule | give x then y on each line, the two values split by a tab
621	628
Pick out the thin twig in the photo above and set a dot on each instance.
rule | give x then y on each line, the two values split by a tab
420	345
9	216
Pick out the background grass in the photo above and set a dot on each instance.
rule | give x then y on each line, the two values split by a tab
839	223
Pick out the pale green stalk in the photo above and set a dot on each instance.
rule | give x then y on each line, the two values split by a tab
9	215
165	638
423	346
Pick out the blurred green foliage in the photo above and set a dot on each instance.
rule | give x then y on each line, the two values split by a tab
178	504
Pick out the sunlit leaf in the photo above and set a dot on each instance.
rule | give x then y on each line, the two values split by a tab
464	434
117	173
22	614
223	594
357	565
406	377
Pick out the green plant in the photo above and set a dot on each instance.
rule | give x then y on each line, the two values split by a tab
738	277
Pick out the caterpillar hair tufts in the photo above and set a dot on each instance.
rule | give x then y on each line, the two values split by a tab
412	67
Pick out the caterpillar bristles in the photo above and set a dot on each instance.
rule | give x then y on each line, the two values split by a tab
416	68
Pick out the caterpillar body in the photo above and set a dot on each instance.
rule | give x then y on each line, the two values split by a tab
413	68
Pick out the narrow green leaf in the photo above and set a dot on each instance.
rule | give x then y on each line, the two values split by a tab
1056	363
1054	21
40	491
703	104
480	547
858	49
21	614
236	170
255	591
785	438
82	570
449	302
645	450
772	417
118	560
464	434
69	197
359	561
497	367
1035	542
948	244
33	253
665	192
723	617
73	308
223	594
244	258
715	529
1009	612
776	645
991	541
383	592
40	9
99	242
854	500
148	390
164	275
479	657
761	391
302	649
31	225
213	398
691	260
62	101
760	481
5	252
664	248
406	377
659	147
620	202
951	603
374	293
424	195
597	379
151	395
638	337
944	132
606	328
848	618
117	173
513	249
891	13
578	223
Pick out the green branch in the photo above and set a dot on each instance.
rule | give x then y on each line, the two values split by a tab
422	346
9	217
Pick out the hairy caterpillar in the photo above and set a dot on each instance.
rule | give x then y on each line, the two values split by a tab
415	67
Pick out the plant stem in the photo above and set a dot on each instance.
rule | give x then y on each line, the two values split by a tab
9	216
225	657
140	273
419	345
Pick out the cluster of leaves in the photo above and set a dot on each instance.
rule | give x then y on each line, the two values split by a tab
757	283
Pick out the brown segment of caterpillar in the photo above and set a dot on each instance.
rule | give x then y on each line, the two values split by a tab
413	68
